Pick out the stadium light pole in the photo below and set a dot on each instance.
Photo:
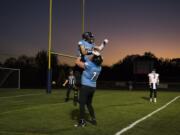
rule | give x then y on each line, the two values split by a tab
49	49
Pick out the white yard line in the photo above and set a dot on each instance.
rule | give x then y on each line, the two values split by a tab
24	95
20	133
145	117
32	107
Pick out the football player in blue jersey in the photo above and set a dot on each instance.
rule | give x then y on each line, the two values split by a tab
92	68
87	45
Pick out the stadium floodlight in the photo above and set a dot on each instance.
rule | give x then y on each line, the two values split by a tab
10	78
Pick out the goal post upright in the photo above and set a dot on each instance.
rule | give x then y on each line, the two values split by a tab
83	15
49	78
19	79
50	52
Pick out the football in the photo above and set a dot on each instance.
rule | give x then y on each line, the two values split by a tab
53	82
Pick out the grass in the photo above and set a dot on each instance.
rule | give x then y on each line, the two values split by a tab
33	112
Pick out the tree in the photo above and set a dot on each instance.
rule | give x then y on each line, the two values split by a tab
42	64
10	62
149	55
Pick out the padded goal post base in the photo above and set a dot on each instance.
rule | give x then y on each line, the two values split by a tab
49	78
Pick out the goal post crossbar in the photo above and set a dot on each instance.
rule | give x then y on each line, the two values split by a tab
9	68
65	55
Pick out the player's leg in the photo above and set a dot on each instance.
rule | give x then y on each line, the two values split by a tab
82	103
78	72
151	93
90	107
68	93
155	95
75	100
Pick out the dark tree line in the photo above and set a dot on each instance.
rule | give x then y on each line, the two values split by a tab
169	69
34	69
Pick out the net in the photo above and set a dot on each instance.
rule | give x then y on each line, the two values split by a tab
9	78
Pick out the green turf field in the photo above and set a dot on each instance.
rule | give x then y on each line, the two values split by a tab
33	112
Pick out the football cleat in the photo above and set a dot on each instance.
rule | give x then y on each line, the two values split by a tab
150	100
155	100
81	123
93	122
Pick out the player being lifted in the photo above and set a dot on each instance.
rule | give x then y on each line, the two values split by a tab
153	82
87	45
92	69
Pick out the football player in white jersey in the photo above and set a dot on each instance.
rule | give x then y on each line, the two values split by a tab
153	83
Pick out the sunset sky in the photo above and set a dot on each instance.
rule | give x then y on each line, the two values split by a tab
132	26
